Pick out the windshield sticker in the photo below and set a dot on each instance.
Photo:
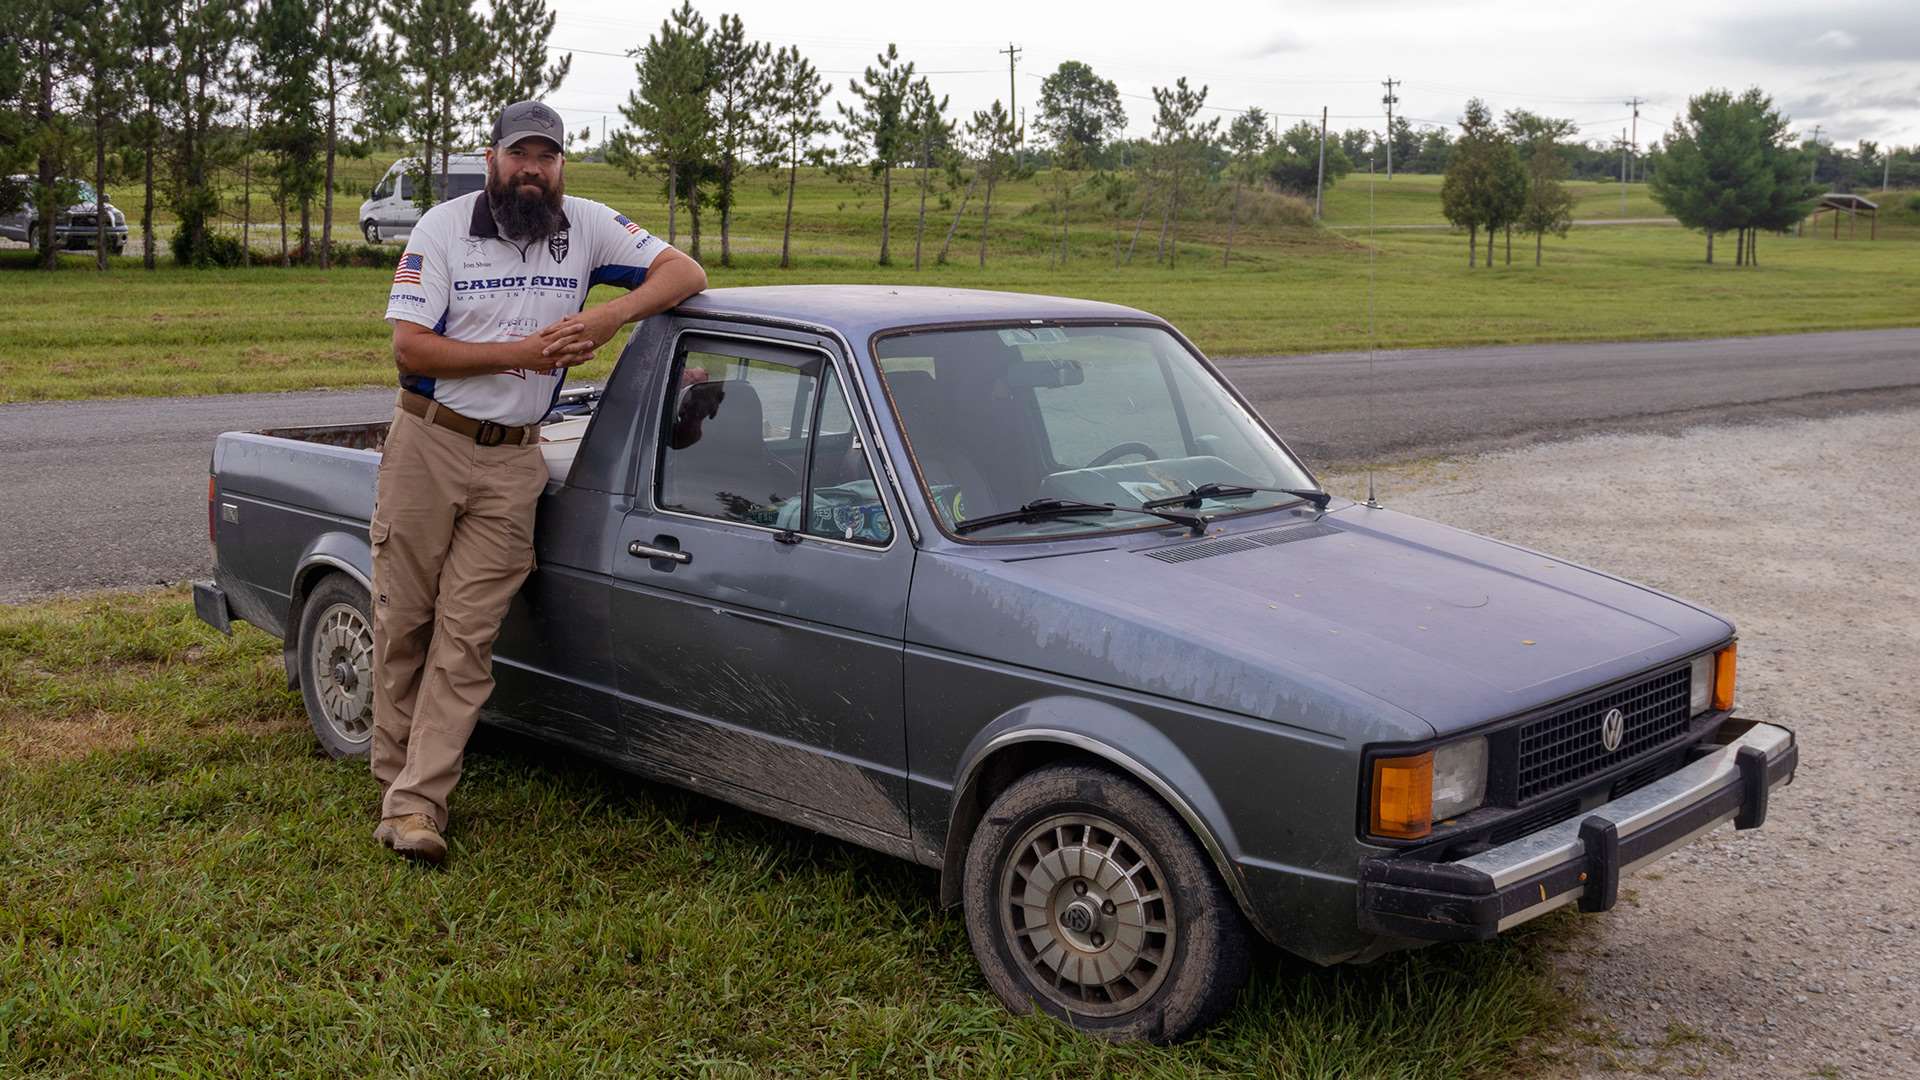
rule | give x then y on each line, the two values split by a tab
1042	335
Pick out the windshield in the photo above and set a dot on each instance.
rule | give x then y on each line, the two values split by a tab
1113	415
83	193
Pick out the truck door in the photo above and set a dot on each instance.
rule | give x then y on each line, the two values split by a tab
760	589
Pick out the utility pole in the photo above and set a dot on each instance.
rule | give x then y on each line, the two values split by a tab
1320	179
1886	166
1390	101
1623	172
1635	105
1013	53
1813	174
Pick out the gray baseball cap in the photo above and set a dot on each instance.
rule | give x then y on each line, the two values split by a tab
529	118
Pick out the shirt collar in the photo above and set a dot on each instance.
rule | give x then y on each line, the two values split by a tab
483	224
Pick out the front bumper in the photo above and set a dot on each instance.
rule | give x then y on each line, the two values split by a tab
1581	860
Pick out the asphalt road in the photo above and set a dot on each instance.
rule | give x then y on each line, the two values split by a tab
102	494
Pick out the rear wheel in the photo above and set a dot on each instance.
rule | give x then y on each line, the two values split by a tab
1087	897
336	665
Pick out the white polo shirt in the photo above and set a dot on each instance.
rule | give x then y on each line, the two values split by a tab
461	278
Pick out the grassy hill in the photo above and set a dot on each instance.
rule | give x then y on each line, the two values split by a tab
1291	286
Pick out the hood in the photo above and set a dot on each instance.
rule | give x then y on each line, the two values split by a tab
1373	625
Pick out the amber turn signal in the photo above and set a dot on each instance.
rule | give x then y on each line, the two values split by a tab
1723	678
1403	796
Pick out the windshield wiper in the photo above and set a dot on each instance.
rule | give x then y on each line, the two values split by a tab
1040	509
1210	490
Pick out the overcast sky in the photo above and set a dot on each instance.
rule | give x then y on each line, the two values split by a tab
1851	66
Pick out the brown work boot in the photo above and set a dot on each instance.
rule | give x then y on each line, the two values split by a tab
414	836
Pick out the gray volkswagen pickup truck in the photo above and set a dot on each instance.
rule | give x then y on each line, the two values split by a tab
1020	588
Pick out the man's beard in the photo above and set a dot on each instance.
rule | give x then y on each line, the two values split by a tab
524	215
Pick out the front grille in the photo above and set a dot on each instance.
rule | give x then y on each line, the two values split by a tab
1565	747
81	221
1550	814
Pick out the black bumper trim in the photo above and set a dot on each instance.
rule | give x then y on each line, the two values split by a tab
210	604
1412	898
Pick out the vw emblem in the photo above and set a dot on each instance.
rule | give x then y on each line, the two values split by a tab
1613	728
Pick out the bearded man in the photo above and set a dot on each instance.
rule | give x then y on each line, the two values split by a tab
487	315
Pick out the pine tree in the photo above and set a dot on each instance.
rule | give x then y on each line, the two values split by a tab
349	55
1182	144
994	137
932	132
1247	140
672	115
876	128
104	45
791	126
739	70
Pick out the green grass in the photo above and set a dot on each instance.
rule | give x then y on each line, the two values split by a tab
1414	199
75	333
186	886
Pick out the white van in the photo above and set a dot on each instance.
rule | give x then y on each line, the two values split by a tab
388	215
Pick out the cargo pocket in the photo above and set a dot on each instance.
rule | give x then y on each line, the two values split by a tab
377	533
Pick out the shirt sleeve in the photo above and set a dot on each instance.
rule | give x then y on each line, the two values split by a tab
622	250
422	278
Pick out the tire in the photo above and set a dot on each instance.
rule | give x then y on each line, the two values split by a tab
336	666
371	230
1136	940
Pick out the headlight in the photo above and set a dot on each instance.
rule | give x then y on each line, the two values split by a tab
1700	686
1459	777
1412	792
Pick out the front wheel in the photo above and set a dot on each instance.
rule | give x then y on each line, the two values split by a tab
1087	897
336	666
371	230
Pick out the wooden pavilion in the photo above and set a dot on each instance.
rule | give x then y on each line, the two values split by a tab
1837	203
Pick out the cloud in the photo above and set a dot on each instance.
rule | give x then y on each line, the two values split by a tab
1275	44
1850	33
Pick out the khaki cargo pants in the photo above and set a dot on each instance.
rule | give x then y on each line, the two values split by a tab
452	536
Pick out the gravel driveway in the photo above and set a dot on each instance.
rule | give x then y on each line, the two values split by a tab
1793	951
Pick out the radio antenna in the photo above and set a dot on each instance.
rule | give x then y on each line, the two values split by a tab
1373	252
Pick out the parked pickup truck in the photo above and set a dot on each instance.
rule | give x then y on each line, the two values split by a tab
1020	588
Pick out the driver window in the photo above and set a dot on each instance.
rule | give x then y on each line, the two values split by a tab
385	189
730	452
742	434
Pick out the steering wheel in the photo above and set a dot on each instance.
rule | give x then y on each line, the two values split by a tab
1121	451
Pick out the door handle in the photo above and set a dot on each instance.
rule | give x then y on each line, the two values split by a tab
645	551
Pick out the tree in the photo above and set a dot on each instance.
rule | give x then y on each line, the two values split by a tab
1182	143
1293	163
1507	195
875	127
1549	205
1470	176
932	132
1357	143
520	31
438	46
1727	166
152	24
50	60
994	136
348	56
1247	138
791	125
671	114
1406	143
206	33
104	50
287	36
739	69
1078	112
1530	131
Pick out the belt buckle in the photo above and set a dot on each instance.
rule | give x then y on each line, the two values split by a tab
490	434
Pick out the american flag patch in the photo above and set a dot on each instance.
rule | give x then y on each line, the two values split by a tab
408	273
627	225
